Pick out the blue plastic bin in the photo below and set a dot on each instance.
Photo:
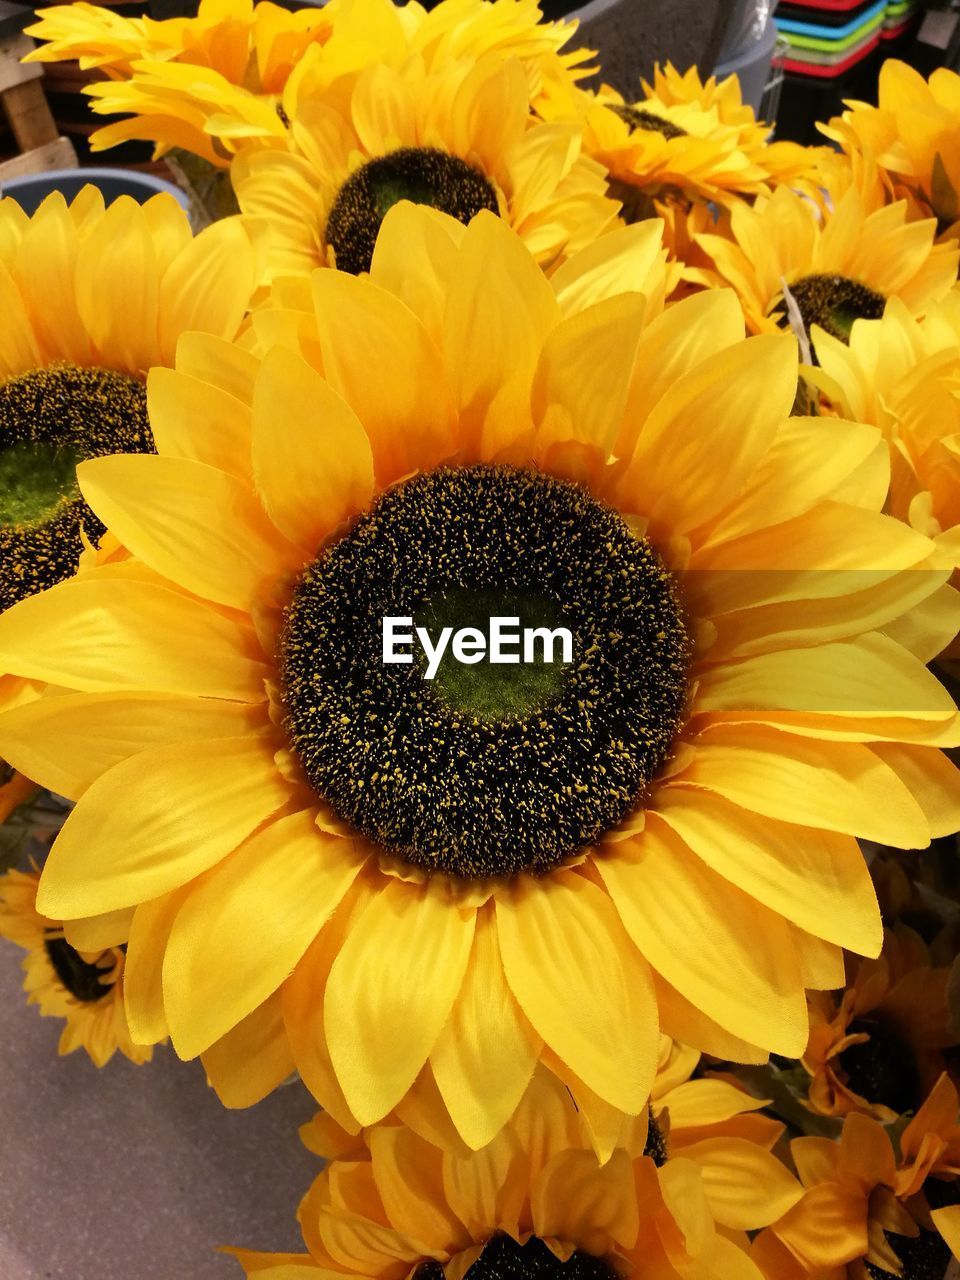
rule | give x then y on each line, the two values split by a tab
30	190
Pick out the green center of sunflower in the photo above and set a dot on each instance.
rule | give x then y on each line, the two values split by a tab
640	118
423	175
504	1259
51	419
36	480
835	302
487	770
83	980
884	1068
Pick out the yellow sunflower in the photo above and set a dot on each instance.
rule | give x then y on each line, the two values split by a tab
914	136
838	267
326	860
460	139
231	79
534	1202
903	376
865	1215
875	1046
85	989
93	297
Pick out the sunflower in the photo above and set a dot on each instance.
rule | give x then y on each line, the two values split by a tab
460	139
326	860
93	297
903	376
534	1202
85	988
875	1046
838	267
912	133
232	78
866	1216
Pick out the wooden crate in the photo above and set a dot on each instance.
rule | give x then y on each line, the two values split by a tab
31	141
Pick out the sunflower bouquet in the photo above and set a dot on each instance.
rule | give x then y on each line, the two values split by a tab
488	610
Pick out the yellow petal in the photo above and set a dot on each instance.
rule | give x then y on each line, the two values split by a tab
817	879
19	350
415	257
585	370
688	1024
707	1102
576	1199
193	418
391	990
66	742
220	363
719	948
198	526
408	1172
142	974
251	1060
118	288
158	819
621	261
378	357
312	460
746	1187
932	779
99	633
581	984
485	1055
839	786
499	311
246	925
208	286
712	412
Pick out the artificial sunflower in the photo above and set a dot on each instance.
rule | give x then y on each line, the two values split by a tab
460	139
231	79
876	1046
913	136
85	989
326	860
903	375
534	1202
837	267
865	1215
93	297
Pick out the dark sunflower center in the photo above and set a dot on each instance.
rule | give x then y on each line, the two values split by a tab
835	302
926	1256
51	419
640	118
504	1259
656	1146
488	769
884	1068
423	175
81	979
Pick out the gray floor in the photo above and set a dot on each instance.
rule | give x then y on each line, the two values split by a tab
133	1173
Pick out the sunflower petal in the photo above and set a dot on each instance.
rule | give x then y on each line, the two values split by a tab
245	926
158	819
581	984
252	1059
391	990
312	460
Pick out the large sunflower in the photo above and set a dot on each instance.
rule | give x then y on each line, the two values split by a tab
231	79
913	134
477	873
93	297
85	989
839	266
867	1215
535	1202
460	139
